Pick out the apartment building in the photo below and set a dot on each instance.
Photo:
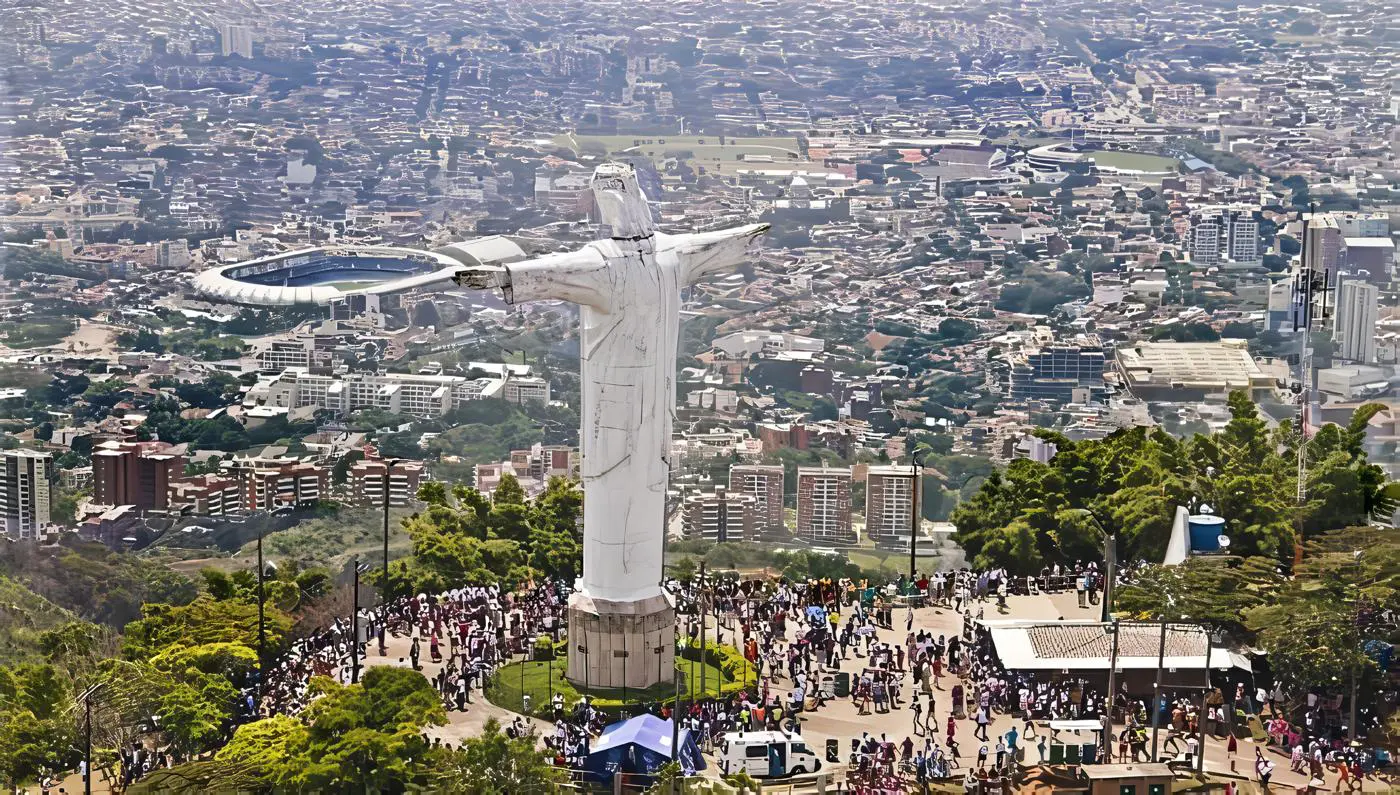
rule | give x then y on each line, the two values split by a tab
136	473
282	355
889	501
1056	370
1355	327
525	389
721	515
764	483
532	468
1226	236
26	491
272	483
414	394
367	482
824	504
208	495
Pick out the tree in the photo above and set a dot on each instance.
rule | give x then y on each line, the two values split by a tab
433	492
1320	625
361	737
1134	480
490	763
508	491
1214	590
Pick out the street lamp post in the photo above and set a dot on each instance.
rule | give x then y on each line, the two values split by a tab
262	625
384	579
355	626
915	492
87	736
1110	558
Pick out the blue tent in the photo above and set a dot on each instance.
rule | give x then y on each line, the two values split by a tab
640	745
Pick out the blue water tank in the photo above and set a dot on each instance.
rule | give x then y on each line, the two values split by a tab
1205	530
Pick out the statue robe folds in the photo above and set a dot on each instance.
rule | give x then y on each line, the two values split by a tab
628	287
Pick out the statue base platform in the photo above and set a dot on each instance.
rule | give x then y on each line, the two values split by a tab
621	644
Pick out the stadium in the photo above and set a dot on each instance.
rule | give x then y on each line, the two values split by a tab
330	274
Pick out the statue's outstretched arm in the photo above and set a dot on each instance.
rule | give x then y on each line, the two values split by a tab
574	276
704	253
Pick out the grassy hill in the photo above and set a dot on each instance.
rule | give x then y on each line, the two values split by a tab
24	615
92	582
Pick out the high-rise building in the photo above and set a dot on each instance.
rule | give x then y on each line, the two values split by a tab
1369	258
174	254
1355	328
721	515
824	504
763	482
135	473
1053	372
26	480
367	482
235	40
1323	242
889	501
1227	236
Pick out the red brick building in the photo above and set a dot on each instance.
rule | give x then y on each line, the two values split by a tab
135	473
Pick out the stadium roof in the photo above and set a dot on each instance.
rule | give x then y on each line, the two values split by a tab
223	283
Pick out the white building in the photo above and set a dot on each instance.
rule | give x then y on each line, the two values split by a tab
889	501
824	504
1225	236
526	389
1355	329
235	40
26	479
417	395
1355	224
743	344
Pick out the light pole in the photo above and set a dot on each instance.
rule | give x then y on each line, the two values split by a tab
262	624
384	580
1157	687
87	736
355	625
1110	559
914	494
529	644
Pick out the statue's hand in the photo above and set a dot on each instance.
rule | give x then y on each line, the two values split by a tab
481	277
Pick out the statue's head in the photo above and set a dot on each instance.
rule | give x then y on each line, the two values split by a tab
621	206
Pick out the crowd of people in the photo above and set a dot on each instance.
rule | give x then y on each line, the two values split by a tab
798	640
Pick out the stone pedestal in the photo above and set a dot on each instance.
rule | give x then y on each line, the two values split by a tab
615	644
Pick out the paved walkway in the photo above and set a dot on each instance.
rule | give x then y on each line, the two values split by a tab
840	720
459	724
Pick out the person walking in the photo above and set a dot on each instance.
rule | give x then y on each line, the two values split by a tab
1263	768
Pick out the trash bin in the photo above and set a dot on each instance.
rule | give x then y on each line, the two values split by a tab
843	684
833	751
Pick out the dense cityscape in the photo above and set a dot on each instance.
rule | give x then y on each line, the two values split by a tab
378	380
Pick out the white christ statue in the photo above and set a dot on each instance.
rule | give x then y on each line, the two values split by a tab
628	285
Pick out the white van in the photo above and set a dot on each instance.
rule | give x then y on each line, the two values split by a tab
766	754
